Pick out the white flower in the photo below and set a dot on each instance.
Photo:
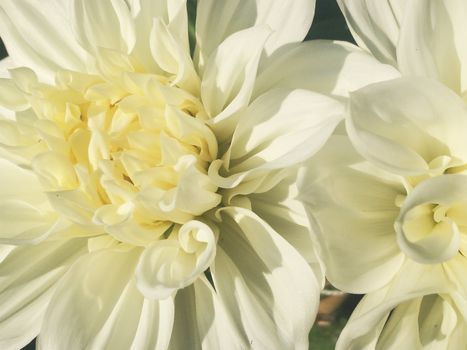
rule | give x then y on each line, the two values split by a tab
392	214
147	198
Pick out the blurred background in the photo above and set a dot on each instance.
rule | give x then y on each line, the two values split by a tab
335	307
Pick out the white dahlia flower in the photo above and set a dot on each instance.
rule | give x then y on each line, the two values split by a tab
147	195
391	212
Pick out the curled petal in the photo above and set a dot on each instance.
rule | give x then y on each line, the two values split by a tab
174	263
425	231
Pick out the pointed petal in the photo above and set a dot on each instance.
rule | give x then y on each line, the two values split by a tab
268	288
375	25
229	78
155	325
28	278
116	32
173	57
39	36
25	213
6	64
431	44
215	21
171	12
280	207
201	321
281	128
367	321
85	312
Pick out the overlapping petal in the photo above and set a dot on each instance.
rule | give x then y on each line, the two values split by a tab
178	172
352	208
40	37
29	276
274	285
415	309
290	21
418	134
375	25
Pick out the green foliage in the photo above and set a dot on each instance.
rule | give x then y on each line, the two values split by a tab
324	338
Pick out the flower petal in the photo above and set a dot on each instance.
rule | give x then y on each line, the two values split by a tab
279	129
116	32
168	265
268	288
201	321
155	325
375	25
431	44
102	315
39	36
229	78
405	137
440	241
331	68
28	279
5	64
171	12
173	57
215	21
25	213
367	321
352	209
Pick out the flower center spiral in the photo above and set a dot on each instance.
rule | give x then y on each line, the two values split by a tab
126	156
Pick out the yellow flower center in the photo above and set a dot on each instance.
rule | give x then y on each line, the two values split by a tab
126	156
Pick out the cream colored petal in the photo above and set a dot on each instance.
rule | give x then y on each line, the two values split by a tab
229	78
280	208
168	265
353	210
55	171
331	68
172	13
39	36
28	279
405	137
11	98
116	32
276	292
279	129
173	57
366	323
23	223
440	241
431	43
375	25
17	183
25	213
201	321
215	21
98	306
5	64
75	205
429	322
155	325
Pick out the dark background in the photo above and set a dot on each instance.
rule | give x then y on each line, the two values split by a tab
328	24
